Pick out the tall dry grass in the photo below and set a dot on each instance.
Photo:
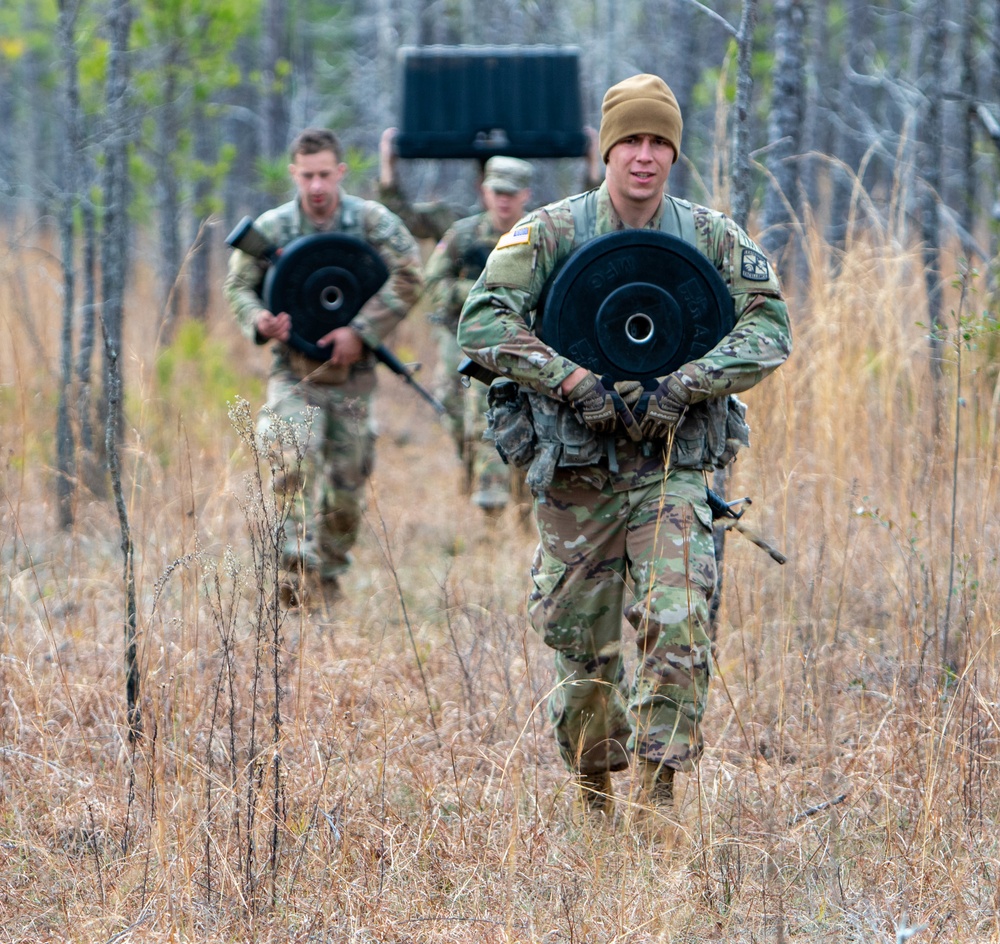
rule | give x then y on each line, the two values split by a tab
385	772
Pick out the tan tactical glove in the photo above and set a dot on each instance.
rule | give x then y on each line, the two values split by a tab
599	408
594	405
665	408
630	391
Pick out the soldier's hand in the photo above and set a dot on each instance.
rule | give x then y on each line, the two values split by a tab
596	407
277	327
347	346
631	392
387	157
665	408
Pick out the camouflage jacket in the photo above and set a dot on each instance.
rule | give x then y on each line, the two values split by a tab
457	261
365	219
427	220
496	330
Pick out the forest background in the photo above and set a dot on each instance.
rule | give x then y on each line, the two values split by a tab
181	760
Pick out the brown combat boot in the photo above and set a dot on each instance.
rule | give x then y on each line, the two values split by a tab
292	591
652	812
596	797
657	785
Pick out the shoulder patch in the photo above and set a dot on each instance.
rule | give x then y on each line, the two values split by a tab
754	267
516	237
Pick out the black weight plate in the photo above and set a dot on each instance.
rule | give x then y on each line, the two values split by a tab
322	281
635	305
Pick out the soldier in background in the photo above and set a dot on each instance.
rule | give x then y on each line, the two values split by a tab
450	272
425	220
430	219
464	240
325	469
623	521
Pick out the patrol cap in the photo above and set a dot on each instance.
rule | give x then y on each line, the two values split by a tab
507	174
642	104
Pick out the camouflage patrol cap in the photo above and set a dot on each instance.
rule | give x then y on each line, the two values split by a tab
507	174
642	104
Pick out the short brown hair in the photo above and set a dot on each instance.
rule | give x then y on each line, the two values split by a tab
314	140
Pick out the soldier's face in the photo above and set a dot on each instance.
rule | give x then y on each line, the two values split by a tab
638	169
317	179
505	209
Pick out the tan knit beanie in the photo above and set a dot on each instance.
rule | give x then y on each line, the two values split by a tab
642	104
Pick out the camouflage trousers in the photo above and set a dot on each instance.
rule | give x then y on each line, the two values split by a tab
646	553
448	383
321	447
487	477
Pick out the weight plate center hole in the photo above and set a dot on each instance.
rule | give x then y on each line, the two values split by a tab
331	298
639	328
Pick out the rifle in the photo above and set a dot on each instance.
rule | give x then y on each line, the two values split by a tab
252	241
720	508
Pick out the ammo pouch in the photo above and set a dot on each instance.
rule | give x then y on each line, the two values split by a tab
712	433
737	432
562	440
535	432
508	423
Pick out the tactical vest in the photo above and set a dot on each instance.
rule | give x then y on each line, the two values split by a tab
712	432
350	215
563	440
473	248
677	219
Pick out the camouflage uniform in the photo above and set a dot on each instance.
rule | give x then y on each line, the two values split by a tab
627	510
336	439
451	271
426	220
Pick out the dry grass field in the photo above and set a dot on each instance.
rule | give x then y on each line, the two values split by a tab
384	772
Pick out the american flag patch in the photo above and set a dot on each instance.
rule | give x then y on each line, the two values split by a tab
518	236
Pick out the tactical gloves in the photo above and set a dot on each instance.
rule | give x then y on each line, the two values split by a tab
599	408
595	406
656	415
665	408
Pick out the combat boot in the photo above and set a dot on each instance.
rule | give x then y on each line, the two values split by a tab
657	783
292	590
652	812
596	797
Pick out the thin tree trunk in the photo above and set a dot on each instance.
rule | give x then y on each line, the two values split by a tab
65	440
931	157
682	72
815	130
965	191
113	270
200	265
784	136
855	108
88	320
10	154
992	94
741	184
168	262
276	101
244	133
37	170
